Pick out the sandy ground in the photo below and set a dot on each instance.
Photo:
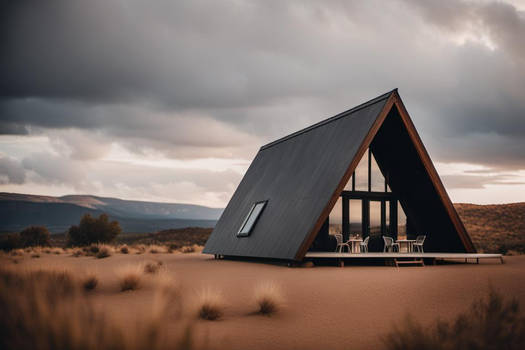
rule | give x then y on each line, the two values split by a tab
326	307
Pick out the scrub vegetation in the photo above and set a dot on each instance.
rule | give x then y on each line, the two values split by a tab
268	298
497	228
490	323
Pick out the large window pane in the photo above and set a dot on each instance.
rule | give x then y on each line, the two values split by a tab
356	217
401	223
378	181
335	218
375	218
348	186
361	174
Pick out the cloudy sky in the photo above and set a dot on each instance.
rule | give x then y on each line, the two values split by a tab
170	101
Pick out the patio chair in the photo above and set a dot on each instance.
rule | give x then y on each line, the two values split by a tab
418	244
340	243
390	246
363	246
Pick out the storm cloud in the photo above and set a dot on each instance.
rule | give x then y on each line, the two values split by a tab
196	79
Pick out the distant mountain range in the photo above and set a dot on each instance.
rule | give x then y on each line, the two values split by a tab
18	211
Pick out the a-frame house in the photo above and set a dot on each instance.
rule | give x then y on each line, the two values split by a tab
282	206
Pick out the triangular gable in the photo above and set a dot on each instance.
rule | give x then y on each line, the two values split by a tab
301	176
393	108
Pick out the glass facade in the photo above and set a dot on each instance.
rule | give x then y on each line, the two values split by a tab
365	205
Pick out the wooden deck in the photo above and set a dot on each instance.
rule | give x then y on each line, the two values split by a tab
402	258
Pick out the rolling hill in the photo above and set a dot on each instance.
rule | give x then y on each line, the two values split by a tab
18	211
495	227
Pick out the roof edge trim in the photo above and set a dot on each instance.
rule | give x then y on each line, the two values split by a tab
331	119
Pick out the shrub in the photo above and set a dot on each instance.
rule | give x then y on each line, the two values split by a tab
130	277
77	253
90	282
154	249
140	248
152	267
172	247
93	230
93	249
268	298
35	255
103	252
490	323
58	251
17	252
187	249
210	305
124	249
35	236
10	241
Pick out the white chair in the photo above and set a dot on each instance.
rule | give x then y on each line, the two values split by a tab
418	244
340	243
390	246
363	246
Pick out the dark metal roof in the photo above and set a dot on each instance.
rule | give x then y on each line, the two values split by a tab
331	119
297	175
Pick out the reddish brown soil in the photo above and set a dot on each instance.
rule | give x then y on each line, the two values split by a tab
326	307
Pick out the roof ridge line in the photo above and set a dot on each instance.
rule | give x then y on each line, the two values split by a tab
329	120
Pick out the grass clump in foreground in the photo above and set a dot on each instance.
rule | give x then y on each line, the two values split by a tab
490	323
130	277
90	281
210	305
269	298
48	310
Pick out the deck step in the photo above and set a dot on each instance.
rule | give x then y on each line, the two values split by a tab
416	261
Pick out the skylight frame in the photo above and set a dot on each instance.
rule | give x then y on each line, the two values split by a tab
256	209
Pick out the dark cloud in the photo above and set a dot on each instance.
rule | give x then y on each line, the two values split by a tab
198	79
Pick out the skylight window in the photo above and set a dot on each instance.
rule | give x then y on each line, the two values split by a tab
251	219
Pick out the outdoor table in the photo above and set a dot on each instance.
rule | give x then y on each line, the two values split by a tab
354	244
409	243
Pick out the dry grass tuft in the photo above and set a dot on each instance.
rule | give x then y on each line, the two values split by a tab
17	252
155	249
104	251
140	248
124	249
47	310
130	277
269	298
35	255
90	282
77	252
92	249
58	251
187	249
210	305
490	323
152	267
